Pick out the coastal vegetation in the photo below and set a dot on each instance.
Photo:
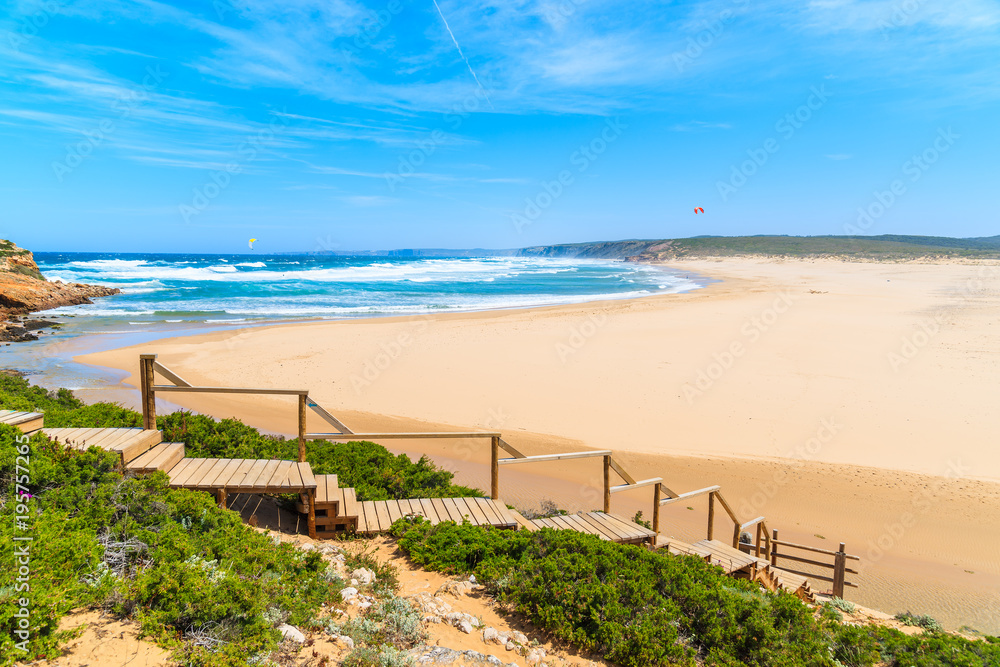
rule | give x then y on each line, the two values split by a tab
214	591
638	608
886	247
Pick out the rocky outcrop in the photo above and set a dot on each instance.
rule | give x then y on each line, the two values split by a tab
24	290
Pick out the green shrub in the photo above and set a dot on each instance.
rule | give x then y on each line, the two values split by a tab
637	607
385	656
192	575
841	604
918	620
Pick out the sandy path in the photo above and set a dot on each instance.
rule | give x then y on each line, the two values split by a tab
852	401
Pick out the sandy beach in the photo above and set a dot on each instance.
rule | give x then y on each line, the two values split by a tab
847	402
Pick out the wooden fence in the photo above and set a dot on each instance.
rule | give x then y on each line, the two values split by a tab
839	564
764	545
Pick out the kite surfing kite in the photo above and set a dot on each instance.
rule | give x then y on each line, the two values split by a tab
251	243
698	209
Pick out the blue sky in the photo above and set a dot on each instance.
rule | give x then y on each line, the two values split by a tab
136	125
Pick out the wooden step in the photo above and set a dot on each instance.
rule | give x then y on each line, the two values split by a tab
28	422
163	456
129	443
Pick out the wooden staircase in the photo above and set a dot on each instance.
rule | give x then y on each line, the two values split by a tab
737	563
336	508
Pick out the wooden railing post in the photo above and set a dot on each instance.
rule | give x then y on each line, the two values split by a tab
495	468
839	566
711	515
148	394
736	536
774	547
756	551
312	514
607	484
656	508
302	428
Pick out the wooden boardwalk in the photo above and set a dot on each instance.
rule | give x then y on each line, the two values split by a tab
127	442
242	476
377	516
606	526
28	422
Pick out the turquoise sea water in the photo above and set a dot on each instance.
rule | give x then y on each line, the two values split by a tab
169	295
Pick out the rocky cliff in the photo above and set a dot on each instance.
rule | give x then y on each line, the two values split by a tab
24	290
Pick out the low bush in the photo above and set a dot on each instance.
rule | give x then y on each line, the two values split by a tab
637	607
192	575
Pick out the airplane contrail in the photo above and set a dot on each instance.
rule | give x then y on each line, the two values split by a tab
455	41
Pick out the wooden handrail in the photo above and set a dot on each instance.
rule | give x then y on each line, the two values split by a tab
690	494
817	576
814	549
751	522
402	436
556	457
817	563
636	485
229	390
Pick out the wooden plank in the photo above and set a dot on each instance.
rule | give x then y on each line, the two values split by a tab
492	517
32	425
227	474
690	494
624	532
326	416
636	485
505	514
202	479
440	509
119	436
401	436
277	477
394	512
476	515
599	527
239	476
130	449
293	478
451	510
523	521
101	439
382	512
429	511
828	566
228	390
813	549
629	480
350	506
184	475
251	474
404	507
507	447
264	475
170	375
179	468
308	479
557	457
363	517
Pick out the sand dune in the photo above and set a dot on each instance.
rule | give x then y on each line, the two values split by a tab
846	401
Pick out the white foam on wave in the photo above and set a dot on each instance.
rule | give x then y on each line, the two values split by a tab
259	265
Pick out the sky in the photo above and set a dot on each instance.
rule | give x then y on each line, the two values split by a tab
143	126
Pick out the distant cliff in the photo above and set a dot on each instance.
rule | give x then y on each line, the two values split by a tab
24	290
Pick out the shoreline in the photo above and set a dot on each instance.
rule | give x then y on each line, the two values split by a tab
500	350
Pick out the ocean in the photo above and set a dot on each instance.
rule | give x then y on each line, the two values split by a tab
177	294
